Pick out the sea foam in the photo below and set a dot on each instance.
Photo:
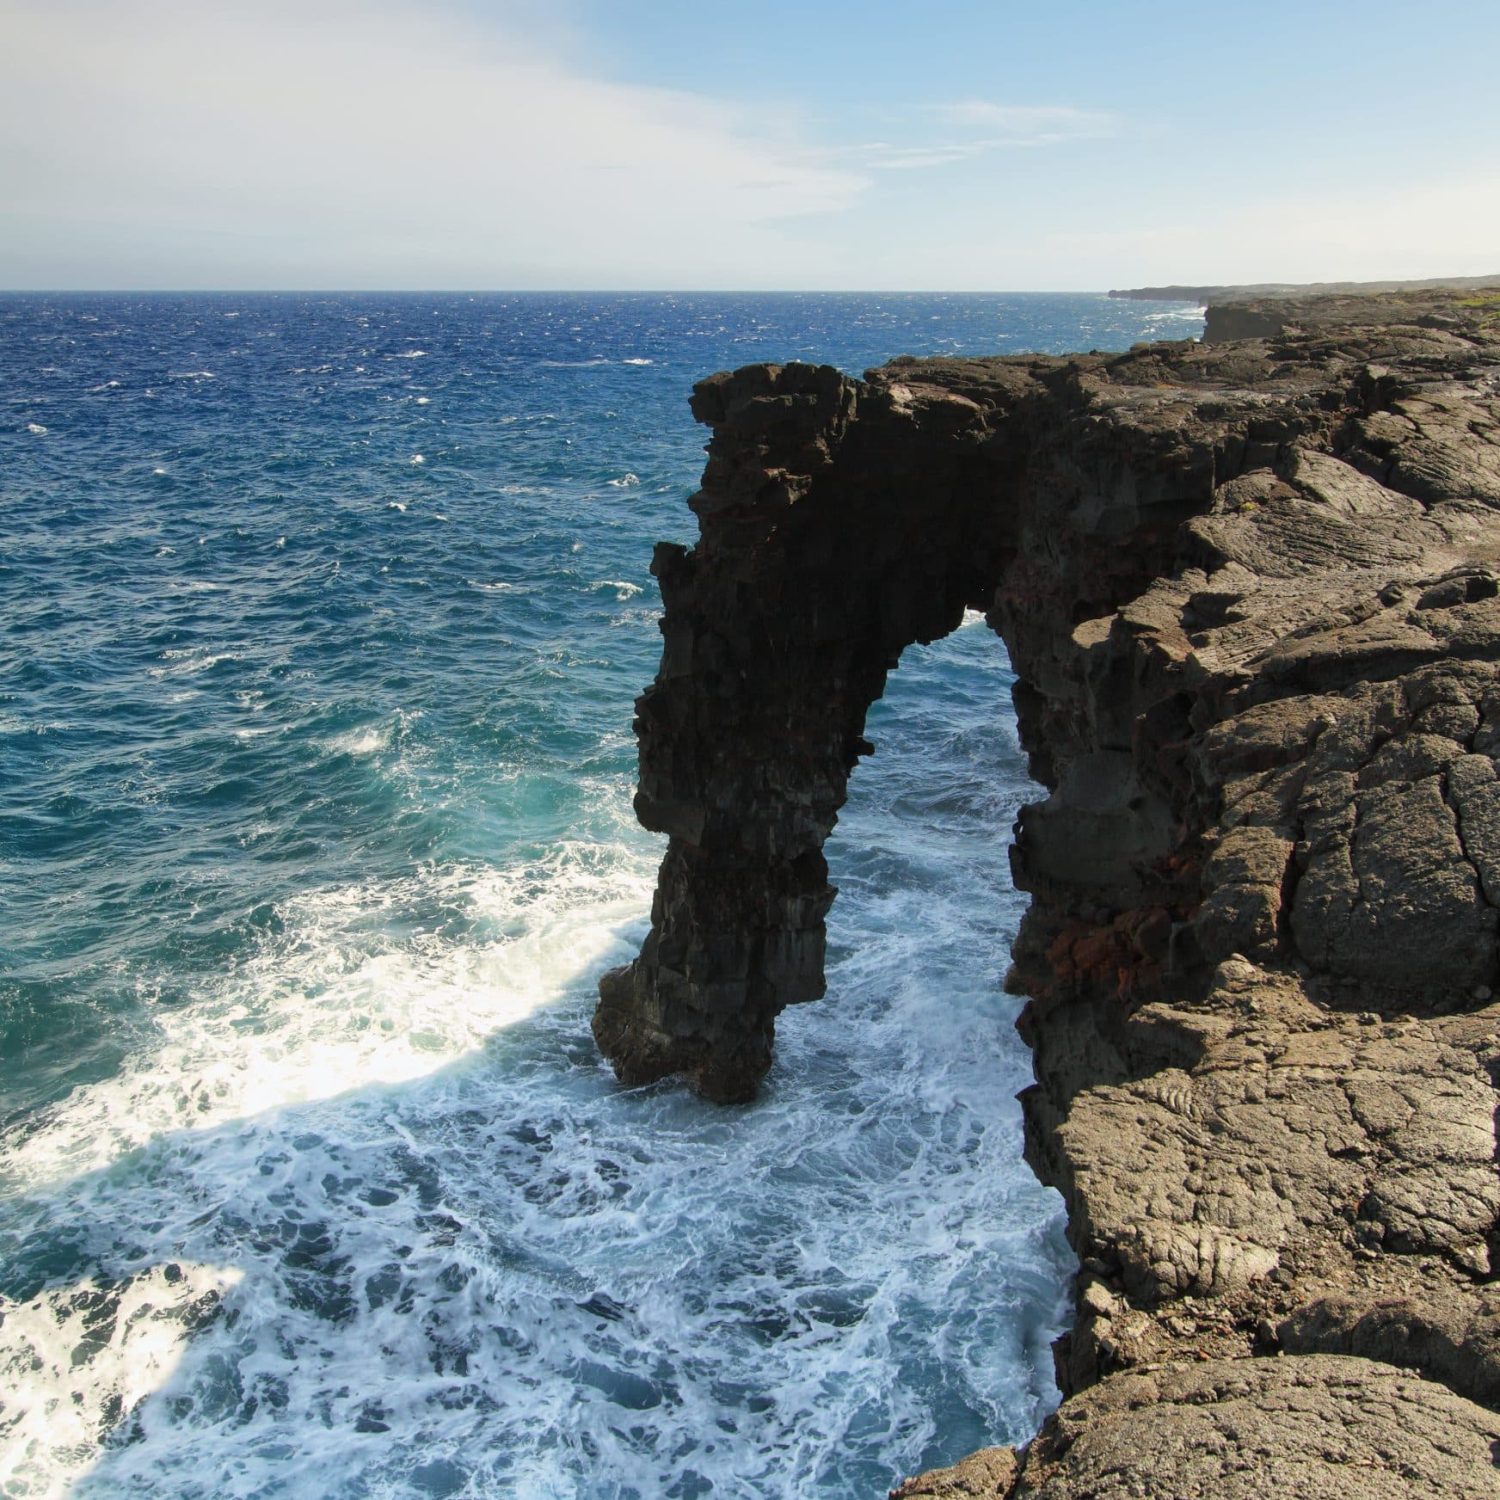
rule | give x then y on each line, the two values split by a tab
314	1182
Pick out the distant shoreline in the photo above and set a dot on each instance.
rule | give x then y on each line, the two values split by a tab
1207	294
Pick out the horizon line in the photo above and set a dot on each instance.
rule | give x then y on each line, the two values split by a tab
665	291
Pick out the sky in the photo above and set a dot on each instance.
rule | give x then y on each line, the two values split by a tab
781	144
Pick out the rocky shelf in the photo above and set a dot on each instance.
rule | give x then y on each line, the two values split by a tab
1251	590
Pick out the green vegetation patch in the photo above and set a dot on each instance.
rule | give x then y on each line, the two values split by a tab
1486	305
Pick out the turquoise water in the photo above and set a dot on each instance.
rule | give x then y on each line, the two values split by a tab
324	618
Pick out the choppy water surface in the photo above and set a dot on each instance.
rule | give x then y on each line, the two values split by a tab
323	621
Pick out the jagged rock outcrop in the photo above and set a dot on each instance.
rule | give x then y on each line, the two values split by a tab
1252	593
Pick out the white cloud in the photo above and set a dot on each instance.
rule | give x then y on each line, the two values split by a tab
1000	127
882	156
359	143
1028	124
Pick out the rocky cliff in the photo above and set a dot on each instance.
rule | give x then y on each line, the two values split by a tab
1252	592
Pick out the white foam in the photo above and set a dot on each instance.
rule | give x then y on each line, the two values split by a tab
468	1263
417	458
624	482
190	660
36	428
637	361
49	1423
359	742
623	589
334	1005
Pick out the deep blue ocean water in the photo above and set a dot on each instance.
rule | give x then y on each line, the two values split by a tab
323	618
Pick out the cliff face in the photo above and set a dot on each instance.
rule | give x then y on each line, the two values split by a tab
1252	592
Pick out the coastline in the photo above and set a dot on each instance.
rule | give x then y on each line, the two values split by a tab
1249	291
1250	590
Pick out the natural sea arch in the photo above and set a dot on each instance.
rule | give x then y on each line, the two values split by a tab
840	522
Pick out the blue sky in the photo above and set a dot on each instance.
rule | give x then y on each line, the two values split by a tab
662	143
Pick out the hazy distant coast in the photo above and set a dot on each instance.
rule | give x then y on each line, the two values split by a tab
1207	294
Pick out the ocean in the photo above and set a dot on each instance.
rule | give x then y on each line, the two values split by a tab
323	618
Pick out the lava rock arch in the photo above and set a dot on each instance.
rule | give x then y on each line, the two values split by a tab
841	521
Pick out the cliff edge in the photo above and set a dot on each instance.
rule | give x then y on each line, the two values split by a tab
1252	593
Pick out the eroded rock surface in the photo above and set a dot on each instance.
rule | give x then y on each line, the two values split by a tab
1344	1429
1318	1428
1252	592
